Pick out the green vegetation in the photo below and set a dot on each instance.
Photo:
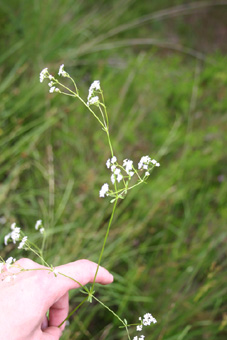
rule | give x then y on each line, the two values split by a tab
167	244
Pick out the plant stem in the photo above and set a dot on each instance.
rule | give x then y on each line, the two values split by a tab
111	311
104	243
74	310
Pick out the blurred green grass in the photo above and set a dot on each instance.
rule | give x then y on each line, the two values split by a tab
167	246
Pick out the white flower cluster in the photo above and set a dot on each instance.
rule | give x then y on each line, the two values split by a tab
10	261
92	99
14	235
140	337
62	72
44	74
53	89
146	321
22	243
145	163
128	165
39	224
116	172
104	190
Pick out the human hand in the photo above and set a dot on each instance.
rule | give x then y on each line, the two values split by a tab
25	301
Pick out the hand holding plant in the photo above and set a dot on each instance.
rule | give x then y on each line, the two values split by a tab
37	290
124	176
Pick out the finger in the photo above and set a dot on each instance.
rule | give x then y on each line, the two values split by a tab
51	333
59	311
83	272
23	263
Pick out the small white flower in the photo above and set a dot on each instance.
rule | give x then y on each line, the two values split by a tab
128	165
119	177
113	168
52	89
104	190
116	174
139	328
112	178
147	173
6	238
153	161
108	163
22	243
38	224
113	159
41	230
157	164
43	74
93	101
51	84
62	72
117	171
95	86
13	226
15	234
9	262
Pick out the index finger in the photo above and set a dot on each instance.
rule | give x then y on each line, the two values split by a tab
82	271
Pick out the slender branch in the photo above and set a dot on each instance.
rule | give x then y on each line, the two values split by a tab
74	310
104	243
111	311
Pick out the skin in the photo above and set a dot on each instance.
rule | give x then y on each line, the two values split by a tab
25	301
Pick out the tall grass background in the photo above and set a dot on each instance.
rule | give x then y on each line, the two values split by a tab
162	65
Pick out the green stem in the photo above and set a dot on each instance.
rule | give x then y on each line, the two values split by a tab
74	310
77	92
104	121
88	107
122	190
42	248
111	311
36	253
104	243
107	119
109	141
74	94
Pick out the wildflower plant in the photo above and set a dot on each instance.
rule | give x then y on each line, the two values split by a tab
123	176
